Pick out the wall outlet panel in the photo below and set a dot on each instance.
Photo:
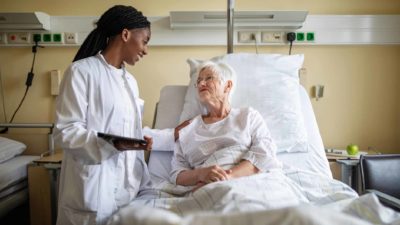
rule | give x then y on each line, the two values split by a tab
3	39
300	36
247	36
328	30
46	38
310	36
273	37
37	37
19	38
58	38
71	38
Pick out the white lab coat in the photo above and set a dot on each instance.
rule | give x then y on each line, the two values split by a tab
96	179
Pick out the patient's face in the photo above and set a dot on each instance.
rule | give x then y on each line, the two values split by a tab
209	86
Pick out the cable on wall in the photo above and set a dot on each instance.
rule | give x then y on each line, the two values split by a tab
28	83
290	37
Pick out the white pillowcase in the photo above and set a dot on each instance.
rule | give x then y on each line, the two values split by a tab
268	83
10	148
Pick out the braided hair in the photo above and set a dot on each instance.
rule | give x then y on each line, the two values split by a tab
111	23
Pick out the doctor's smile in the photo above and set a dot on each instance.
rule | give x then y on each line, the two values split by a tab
93	166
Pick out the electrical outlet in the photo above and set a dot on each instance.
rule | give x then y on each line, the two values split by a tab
272	37
2	38
247	36
71	38
57	38
46	38
37	37
310	36
300	36
18	38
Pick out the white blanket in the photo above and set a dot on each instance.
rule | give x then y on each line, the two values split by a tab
276	197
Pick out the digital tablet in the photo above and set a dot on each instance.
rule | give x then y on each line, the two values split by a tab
111	138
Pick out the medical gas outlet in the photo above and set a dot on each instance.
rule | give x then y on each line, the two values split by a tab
274	37
18	38
28	38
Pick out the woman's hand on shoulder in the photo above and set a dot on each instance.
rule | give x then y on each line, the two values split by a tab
179	127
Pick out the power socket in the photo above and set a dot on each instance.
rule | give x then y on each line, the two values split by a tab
18	38
70	38
3	38
247	36
272	37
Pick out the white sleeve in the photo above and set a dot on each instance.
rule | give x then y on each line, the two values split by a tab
262	152
178	163
163	140
71	123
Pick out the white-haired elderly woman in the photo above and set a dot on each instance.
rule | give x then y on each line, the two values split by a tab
227	142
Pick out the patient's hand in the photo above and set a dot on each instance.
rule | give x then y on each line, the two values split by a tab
212	174
179	127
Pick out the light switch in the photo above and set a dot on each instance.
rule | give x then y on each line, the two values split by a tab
55	77
303	77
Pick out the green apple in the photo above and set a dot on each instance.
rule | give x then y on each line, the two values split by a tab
352	149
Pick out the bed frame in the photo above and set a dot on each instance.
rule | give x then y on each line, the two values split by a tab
37	146
17	198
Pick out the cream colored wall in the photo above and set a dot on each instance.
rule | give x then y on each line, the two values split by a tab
361	103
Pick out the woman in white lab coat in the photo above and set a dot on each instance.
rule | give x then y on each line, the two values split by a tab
99	95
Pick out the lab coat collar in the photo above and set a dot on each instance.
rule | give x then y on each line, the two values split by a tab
103	60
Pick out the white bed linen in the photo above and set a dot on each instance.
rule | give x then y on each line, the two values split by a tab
14	170
249	200
315	159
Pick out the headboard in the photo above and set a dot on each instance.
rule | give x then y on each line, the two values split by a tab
37	143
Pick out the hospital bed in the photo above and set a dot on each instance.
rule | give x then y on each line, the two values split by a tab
270	84
13	176
14	160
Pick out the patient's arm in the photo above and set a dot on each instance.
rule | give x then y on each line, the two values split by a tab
244	168
202	175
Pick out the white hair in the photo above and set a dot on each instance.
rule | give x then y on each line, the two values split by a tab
223	71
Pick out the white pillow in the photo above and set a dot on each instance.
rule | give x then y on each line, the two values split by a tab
268	83
10	148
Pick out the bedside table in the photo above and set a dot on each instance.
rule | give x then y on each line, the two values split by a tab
43	176
350	173
346	170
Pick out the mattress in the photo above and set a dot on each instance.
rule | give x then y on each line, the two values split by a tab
14	182
12	201
14	171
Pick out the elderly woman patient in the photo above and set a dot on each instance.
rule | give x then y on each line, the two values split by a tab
227	142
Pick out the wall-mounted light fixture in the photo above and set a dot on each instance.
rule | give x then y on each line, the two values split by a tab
276	20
